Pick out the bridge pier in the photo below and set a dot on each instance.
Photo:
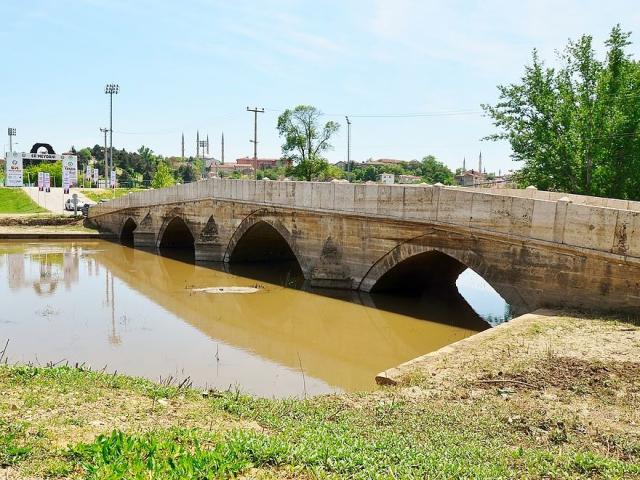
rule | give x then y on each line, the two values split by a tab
209	252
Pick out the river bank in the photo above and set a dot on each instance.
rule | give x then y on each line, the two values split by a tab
546	396
44	225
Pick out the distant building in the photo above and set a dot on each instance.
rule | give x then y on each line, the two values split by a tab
470	178
385	161
229	168
264	163
387	178
409	179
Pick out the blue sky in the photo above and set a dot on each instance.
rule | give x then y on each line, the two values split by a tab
191	65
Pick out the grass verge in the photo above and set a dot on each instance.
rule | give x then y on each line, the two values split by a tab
537	415
102	194
15	200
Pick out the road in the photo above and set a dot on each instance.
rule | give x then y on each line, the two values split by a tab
54	200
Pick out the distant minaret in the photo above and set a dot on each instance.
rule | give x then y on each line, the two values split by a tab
480	163
207	144
183	146
222	152
198	144
464	164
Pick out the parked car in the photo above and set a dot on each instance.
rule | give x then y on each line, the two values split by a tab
68	205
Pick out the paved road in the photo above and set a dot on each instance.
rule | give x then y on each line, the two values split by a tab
54	200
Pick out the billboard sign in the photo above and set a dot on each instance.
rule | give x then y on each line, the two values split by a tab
66	180
70	165
40	181
95	176
47	182
14	170
87	173
113	179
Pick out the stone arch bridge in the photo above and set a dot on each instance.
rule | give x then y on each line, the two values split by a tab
536	249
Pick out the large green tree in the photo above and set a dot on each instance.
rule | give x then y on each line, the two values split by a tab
163	176
305	140
576	127
434	171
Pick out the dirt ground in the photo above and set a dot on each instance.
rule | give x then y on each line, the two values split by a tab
545	365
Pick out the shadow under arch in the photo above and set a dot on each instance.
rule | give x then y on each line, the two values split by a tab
176	240
260	240
126	232
413	268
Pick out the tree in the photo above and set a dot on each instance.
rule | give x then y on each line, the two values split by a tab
306	140
576	128
433	171
163	176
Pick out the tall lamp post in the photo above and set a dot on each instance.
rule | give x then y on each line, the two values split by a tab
348	144
12	133
111	89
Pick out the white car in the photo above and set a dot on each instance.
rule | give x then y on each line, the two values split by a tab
68	205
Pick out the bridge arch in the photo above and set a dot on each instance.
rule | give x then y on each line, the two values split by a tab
416	263
269	234
175	234
126	232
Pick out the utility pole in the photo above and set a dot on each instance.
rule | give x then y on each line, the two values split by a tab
183	146
207	144
111	89
197	143
255	111
222	152
106	162
348	144
12	133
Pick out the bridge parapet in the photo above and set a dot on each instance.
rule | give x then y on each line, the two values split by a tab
605	225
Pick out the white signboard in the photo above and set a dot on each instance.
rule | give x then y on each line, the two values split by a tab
70	165
65	181
14	169
87	173
41	181
47	182
95	175
113	179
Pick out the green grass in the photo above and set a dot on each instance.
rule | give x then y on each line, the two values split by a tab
365	436
97	195
15	200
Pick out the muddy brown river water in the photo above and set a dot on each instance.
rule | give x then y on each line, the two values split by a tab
139	313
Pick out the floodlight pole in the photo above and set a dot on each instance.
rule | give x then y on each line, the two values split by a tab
111	89
12	133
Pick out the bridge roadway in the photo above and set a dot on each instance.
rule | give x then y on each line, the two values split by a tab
537	249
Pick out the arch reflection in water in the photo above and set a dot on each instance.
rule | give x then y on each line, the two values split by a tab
257	341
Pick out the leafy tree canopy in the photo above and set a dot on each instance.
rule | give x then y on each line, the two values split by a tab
306	140
576	127
163	176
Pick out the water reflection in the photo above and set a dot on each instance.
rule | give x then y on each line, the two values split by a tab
137	312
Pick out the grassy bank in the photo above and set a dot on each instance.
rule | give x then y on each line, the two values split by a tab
525	410
15	200
98	194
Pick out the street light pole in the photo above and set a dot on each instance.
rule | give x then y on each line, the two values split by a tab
348	144
255	111
111	89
